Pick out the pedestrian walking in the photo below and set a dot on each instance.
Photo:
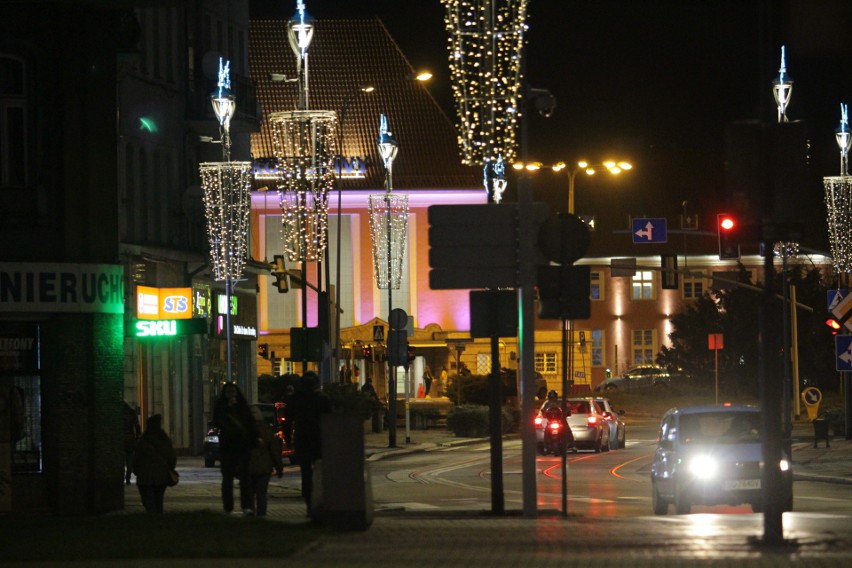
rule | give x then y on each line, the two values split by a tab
427	382
132	431
264	459
237	436
154	459
306	406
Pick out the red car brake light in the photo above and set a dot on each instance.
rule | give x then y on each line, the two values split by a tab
592	420
539	420
554	425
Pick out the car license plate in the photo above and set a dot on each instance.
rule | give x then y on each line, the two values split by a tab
734	484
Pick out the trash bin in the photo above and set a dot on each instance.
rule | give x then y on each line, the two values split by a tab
821	431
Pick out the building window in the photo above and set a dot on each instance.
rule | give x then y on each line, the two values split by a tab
596	293
643	346
546	363
483	363
597	337
13	119
693	286
643	285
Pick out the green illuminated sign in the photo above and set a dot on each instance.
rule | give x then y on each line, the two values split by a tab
168	328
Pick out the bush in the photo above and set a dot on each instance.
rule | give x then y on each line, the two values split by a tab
471	421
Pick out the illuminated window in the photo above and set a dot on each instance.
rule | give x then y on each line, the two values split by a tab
693	286
597	285
546	362
13	120
597	337
643	285
643	341
483	363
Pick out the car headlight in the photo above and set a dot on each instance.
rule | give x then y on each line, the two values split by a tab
784	465
703	467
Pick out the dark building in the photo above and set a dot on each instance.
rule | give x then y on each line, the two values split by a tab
103	106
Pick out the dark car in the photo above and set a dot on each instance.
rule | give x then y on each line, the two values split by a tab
274	415
711	455
637	378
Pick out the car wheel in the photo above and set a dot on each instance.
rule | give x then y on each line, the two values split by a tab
681	503
658	502
623	442
540	447
209	462
606	447
598	445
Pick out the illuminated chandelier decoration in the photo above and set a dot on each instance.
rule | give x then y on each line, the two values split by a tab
305	144
782	90
227	192
388	218
486	38
838	200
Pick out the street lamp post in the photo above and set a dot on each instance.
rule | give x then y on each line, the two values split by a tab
389	240
611	166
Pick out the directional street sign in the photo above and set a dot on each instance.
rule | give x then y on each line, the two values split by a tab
812	395
843	310
843	352
649	230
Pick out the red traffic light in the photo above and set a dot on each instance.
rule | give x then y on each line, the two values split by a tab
834	325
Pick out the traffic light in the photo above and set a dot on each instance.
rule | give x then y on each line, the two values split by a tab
263	350
368	352
834	324
727	228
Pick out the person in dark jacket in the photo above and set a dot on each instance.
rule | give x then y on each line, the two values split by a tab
306	406
237	436
265	458
153	459
132	431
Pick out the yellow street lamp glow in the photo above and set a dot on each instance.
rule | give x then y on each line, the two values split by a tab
583	163
518	165
591	171
533	166
423	76
625	165
559	166
609	164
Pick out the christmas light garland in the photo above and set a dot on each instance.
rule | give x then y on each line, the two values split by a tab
485	42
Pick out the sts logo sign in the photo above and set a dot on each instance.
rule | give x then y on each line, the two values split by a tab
175	304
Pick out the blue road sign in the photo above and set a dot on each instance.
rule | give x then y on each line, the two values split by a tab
843	352
834	297
649	230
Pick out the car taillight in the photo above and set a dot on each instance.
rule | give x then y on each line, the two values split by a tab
592	420
538	420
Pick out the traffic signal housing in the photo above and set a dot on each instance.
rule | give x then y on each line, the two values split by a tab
263	350
727	229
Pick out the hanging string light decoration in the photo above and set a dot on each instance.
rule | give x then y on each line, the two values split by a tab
388	219
485	42
305	144
227	208
227	204
838	201
227	191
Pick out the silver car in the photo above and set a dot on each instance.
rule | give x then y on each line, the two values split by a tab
711	455
617	428
588	424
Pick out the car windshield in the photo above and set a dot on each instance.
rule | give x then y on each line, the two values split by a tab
578	406
720	428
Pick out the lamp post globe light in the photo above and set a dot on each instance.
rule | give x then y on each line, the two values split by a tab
388	229
227	205
611	166
782	89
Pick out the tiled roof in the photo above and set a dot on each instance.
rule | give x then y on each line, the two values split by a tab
345	55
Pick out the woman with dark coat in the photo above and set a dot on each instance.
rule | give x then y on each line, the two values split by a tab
153	459
237	436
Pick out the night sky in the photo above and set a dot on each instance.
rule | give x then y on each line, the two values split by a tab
655	82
